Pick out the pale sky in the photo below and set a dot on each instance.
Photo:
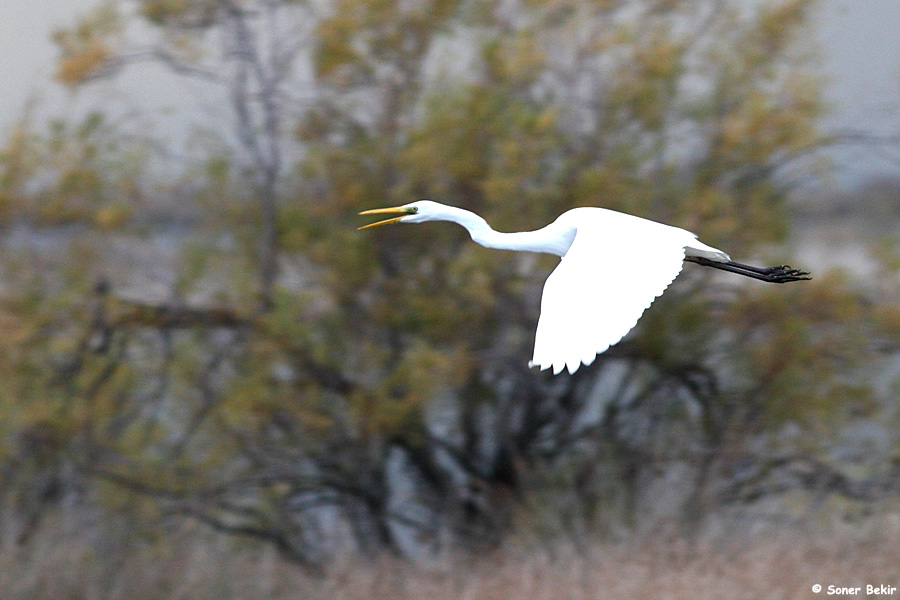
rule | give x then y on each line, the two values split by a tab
27	52
859	37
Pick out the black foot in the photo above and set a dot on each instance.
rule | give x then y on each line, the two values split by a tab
779	274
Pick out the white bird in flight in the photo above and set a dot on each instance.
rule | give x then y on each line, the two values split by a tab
613	266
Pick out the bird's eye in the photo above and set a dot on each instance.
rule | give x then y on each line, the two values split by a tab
413	209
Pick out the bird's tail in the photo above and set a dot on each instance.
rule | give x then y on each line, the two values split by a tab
698	248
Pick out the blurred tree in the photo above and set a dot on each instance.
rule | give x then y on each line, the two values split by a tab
248	51
379	390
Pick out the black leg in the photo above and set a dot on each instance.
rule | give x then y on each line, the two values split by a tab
780	274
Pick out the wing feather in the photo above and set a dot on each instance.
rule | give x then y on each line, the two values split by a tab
613	271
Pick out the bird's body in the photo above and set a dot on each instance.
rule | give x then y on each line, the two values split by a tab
613	265
614	268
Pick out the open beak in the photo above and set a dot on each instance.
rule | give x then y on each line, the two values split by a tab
403	211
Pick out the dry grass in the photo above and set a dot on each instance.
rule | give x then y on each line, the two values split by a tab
194	564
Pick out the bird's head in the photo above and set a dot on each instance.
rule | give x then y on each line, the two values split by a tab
414	212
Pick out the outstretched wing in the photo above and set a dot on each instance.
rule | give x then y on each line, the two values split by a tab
611	274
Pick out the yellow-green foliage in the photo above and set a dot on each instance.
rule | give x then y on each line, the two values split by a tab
86	47
84	172
392	31
801	346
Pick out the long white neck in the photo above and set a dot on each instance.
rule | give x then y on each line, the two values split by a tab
550	239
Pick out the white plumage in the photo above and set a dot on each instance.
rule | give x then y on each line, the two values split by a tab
616	266
612	267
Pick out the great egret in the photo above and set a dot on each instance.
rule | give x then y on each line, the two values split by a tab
613	266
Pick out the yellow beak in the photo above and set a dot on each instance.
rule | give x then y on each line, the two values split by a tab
393	210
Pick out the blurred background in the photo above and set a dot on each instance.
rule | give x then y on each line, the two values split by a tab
213	386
